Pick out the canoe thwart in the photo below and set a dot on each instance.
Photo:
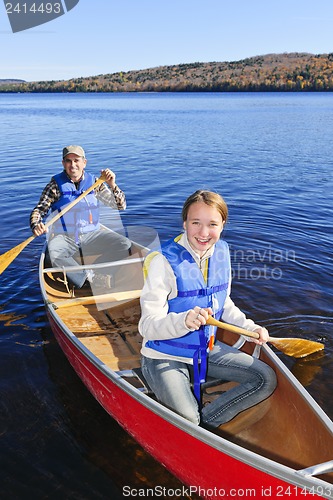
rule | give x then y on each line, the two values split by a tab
101	265
97	299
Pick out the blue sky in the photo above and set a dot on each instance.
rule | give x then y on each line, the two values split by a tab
106	36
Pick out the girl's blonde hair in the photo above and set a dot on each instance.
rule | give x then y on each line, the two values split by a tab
209	198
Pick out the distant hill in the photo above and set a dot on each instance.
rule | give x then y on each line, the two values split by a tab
292	72
9	81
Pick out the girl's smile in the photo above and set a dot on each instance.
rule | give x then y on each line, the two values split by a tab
203	227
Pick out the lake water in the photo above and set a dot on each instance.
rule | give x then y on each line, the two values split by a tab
269	155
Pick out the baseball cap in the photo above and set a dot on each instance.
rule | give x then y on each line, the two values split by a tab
76	150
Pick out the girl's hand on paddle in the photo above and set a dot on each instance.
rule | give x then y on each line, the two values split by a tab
110	177
263	336
40	229
197	317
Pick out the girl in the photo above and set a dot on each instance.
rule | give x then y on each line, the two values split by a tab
186	282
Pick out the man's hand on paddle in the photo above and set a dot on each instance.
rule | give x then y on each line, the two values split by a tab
40	229
110	178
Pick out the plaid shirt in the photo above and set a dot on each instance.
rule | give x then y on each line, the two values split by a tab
51	193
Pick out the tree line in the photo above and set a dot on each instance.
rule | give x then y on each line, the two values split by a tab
289	72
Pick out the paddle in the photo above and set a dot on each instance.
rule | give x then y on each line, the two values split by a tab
297	348
7	258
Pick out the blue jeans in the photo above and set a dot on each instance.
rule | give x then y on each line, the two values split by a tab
170	381
64	251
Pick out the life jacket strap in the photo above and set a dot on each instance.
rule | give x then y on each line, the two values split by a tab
203	291
199	372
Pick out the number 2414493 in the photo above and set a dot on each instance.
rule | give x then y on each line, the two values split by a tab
35	8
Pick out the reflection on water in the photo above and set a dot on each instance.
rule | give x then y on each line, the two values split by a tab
306	370
312	371
9	318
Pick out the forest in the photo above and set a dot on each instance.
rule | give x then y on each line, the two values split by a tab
288	72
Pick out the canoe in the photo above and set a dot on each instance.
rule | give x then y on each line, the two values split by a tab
282	447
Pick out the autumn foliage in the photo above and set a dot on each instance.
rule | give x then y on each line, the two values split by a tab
293	72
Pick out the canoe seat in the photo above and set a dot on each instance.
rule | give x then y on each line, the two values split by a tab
316	470
136	378
136	374
141	377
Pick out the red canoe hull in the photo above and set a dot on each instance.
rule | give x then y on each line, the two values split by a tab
209	466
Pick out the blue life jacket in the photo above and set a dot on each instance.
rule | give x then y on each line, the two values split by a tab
84	216
194	290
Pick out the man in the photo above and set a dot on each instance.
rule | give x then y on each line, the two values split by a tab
78	233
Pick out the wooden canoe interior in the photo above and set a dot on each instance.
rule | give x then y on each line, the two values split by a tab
108	330
113	339
283	428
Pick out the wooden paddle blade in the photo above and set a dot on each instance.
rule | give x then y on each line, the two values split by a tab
8	257
297	348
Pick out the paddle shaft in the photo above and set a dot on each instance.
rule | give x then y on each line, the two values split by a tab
232	328
298	348
7	258
71	205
